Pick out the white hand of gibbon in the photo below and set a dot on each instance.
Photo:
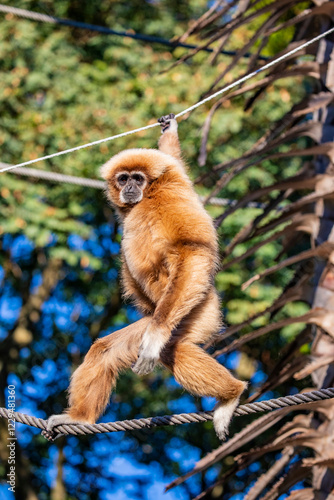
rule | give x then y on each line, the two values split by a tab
152	344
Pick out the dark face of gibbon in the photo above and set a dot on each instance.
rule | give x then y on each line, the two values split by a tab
131	186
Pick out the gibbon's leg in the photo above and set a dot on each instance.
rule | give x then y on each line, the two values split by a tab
201	375
93	380
204	321
197	371
169	141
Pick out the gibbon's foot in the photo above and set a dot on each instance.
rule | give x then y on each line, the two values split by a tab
168	122
223	415
55	421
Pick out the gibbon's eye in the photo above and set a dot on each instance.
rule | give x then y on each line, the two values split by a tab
138	178
123	179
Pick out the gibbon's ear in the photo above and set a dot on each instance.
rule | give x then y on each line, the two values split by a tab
151	162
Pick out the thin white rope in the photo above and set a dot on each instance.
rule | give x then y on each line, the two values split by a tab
209	98
100	141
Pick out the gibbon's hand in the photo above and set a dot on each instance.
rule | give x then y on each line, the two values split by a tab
154	339
168	122
144	364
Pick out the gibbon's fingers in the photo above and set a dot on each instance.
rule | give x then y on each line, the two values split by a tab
165	118
144	365
168	121
202	375
92	382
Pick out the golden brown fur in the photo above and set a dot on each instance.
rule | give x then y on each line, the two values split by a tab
170	255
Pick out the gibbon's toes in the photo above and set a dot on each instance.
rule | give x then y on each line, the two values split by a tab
50	436
56	421
222	417
53	422
144	365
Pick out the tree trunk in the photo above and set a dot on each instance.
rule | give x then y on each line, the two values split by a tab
323	277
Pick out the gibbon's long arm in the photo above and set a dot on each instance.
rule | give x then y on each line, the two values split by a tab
188	285
132	291
169	141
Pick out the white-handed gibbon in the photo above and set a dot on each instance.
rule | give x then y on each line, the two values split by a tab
169	261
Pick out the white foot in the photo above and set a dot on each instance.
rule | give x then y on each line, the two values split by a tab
223	416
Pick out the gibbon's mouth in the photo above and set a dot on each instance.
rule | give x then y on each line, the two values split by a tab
131	199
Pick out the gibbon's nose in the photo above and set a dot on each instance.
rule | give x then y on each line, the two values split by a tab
129	188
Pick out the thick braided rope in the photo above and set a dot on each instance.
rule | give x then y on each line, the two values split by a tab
179	419
185	111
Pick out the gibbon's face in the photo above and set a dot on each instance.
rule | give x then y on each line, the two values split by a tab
131	185
130	173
